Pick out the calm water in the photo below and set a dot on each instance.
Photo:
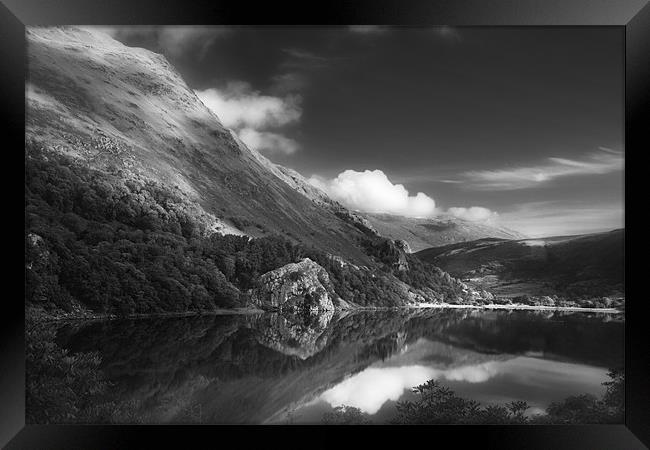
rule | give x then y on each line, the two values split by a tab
270	369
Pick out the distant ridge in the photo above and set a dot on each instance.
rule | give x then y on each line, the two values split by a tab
580	265
437	231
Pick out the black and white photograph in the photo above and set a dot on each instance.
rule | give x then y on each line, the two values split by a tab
324	225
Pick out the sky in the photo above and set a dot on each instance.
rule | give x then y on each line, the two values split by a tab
518	126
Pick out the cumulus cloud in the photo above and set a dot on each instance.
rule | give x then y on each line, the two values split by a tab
251	114
266	141
599	162
473	214
171	40
372	191
239	106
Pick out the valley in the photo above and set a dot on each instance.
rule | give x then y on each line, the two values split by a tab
587	269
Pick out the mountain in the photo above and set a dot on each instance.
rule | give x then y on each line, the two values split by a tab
437	231
571	266
128	111
138	199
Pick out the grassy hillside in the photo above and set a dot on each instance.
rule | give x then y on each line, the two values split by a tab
571	266
128	112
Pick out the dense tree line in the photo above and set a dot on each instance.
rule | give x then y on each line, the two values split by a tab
114	245
120	245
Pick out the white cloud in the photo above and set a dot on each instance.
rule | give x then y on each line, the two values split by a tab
372	191
266	141
473	214
250	114
239	106
599	162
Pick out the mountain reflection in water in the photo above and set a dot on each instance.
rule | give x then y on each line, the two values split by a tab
269	368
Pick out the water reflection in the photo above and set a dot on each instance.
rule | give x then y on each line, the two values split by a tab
373	387
537	380
272	369
300	336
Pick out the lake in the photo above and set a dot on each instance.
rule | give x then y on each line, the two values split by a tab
267	368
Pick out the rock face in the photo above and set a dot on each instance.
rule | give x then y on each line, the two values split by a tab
298	287
477	294
402	247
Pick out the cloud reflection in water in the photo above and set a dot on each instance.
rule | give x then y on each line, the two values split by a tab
370	389
521	378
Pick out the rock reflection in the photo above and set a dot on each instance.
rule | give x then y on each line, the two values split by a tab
294	335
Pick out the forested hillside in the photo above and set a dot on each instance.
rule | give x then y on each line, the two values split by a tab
98	242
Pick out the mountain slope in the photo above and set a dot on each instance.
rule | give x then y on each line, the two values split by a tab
437	231
134	190
127	111
300	184
573	266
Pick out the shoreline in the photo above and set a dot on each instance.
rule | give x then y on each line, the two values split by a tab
518	307
251	310
100	317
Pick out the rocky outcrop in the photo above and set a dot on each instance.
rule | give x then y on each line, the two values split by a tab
403	245
477	295
402	248
356	219
298	287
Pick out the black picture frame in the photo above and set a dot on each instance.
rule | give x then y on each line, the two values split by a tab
632	16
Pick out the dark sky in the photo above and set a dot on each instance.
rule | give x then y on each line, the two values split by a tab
468	116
